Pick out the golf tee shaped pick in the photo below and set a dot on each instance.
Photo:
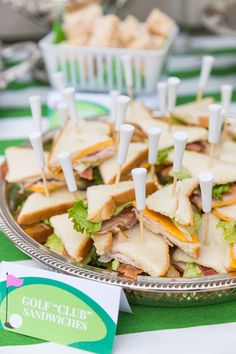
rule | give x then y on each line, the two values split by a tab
207	64
113	97
63	112
126	133
173	85
139	177
122	106
37	144
215	123
60	81
206	184
226	96
162	96
69	94
66	165
180	141
35	105
153	142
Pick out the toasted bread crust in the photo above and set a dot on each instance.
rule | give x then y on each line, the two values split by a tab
33	217
84	248
129	166
106	247
107	210
51	153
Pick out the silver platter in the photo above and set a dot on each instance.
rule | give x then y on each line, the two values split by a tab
145	290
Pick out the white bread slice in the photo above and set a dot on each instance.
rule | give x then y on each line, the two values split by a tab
103	199
151	255
227	151
226	213
137	153
145	120
195	163
76	243
22	164
160	224
175	206
103	243
79	140
194	113
230	261
232	130
38	207
213	255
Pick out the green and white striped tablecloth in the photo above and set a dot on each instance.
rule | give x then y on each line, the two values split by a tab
15	124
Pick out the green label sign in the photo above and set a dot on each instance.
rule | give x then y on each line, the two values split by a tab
57	312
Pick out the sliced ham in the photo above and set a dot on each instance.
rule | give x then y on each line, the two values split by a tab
207	271
200	146
93	159
99	154
124	221
87	174
129	271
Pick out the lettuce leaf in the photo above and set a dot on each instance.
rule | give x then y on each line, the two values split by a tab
229	230
163	155
219	190
54	244
120	208
191	229
183	174
192	270
58	32
79	214
97	178
115	264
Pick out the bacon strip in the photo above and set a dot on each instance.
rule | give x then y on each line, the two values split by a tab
207	271
129	271
87	174
124	221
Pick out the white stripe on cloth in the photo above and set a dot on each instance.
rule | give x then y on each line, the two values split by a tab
213	339
205	43
20	98
185	63
18	128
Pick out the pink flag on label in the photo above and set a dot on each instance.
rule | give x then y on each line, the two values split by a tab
14	281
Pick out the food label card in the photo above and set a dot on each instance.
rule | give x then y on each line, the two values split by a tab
59	308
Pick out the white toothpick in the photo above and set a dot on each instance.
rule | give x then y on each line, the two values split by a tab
153	142
35	105
113	97
69	94
126	133
121	109
60	81
180	141
63	112
37	144
206	184
139	177
127	62
173	86
66	165
215	121
162	96
226	97
207	64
